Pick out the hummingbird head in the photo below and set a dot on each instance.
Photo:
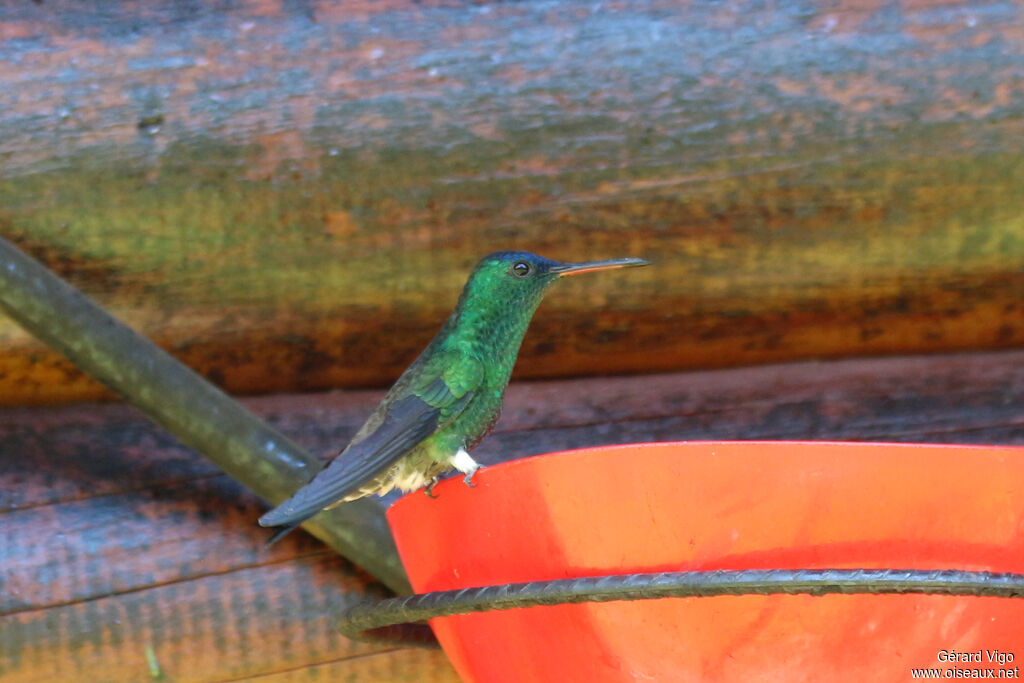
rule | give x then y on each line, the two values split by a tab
512	283
500	297
519	276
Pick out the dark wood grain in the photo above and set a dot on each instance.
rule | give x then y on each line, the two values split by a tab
113	538
288	195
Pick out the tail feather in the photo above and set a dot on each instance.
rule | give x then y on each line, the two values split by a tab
284	531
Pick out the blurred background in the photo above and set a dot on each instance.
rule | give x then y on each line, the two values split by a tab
288	195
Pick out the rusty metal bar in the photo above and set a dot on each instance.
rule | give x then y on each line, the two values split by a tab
195	411
395	619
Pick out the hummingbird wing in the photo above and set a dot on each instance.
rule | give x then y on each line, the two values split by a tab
417	406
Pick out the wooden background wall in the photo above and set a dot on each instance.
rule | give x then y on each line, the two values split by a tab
288	195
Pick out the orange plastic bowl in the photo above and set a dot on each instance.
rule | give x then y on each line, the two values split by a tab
734	505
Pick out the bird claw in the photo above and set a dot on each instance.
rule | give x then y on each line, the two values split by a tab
429	489
468	479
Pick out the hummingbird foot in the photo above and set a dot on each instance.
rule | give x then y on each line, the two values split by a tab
468	479
463	462
429	488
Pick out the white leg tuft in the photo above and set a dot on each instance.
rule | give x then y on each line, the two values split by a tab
464	462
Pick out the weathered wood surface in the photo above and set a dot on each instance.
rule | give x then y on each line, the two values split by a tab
113	538
288	195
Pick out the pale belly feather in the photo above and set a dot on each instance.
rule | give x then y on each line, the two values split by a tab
415	471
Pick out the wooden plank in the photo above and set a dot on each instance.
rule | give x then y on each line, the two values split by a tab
219	627
289	198
113	538
395	666
167	558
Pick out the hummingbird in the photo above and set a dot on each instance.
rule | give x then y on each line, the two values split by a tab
448	399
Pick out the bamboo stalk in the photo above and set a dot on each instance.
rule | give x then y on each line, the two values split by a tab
195	411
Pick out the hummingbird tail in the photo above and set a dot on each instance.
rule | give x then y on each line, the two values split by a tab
282	532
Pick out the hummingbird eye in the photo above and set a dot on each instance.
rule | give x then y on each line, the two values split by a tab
522	269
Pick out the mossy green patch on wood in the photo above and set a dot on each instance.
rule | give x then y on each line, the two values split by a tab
307	193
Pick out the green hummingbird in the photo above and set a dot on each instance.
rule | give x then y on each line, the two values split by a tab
450	396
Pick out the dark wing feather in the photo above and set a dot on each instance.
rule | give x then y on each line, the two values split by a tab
409	420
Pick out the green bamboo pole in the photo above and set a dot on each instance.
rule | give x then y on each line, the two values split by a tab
195	411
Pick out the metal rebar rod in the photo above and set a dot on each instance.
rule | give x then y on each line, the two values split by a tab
393	619
195	411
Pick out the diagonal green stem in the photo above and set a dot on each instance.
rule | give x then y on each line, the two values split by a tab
195	411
